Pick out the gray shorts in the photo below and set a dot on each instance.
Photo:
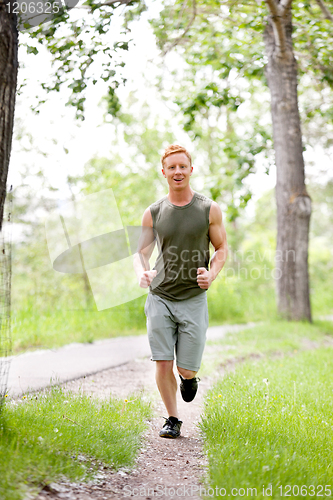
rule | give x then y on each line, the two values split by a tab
177	326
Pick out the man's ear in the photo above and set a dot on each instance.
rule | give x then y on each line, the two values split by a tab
163	172
191	170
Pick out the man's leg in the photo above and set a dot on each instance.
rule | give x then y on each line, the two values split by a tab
192	317
167	385
186	373
162	335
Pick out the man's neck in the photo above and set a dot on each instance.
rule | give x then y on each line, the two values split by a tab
181	198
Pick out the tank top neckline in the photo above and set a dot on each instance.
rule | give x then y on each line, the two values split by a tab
181	207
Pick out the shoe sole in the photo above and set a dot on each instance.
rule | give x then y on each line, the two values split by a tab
189	400
168	436
183	393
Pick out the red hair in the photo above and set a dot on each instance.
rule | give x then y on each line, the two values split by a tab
174	148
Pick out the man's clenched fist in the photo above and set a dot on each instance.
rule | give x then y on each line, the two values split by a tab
146	278
204	278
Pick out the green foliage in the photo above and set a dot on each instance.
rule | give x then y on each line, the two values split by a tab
270	423
228	37
133	170
229	147
81	50
36	325
322	210
221	88
46	437
134	13
321	245
220	93
245	290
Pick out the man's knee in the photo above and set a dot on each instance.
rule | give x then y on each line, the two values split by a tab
186	373
164	366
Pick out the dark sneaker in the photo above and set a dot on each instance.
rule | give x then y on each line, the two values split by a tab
188	388
171	428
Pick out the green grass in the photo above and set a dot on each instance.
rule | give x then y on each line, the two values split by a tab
239	301
36	327
59	434
35	324
275	433
276	337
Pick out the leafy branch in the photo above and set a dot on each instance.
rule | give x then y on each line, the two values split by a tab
325	10
191	21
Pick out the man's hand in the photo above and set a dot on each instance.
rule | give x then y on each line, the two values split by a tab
146	278
204	278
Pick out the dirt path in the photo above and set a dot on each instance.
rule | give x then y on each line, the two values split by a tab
166	468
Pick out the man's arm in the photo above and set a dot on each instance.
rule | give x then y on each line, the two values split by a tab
218	238
145	249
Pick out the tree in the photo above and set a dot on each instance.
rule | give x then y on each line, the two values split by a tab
74	45
260	41
8	79
293	201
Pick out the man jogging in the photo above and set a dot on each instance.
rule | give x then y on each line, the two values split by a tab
184	223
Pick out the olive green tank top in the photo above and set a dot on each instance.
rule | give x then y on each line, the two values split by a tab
183	244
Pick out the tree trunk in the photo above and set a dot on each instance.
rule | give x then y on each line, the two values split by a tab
8	80
293	201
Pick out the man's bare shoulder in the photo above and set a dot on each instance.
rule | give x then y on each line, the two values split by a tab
147	219
215	214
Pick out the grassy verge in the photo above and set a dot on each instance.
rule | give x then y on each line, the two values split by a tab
265	339
37	325
34	328
271	424
46	437
239	301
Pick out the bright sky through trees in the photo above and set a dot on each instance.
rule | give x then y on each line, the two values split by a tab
67	144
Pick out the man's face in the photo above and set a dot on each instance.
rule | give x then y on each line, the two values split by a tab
177	171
